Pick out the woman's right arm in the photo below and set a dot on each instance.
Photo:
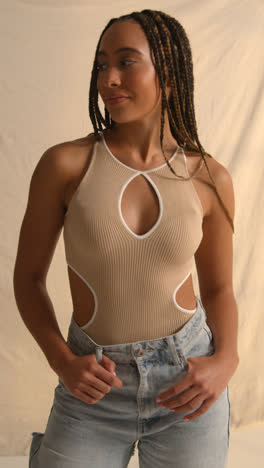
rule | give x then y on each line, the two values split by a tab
39	234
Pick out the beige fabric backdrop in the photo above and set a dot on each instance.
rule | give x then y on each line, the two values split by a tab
47	49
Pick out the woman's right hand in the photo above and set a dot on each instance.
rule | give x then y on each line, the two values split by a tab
88	380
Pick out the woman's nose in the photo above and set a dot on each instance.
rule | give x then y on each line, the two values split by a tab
111	76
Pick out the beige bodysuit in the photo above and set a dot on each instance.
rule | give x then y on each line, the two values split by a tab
133	278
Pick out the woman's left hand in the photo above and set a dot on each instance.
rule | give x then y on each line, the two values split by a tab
205	381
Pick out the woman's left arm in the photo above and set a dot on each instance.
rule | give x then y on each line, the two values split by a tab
208	376
214	263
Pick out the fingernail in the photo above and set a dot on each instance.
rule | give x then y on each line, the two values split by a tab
158	400
114	373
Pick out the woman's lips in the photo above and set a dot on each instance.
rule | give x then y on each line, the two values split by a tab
115	101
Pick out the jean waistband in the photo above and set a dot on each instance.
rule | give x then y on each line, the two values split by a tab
80	342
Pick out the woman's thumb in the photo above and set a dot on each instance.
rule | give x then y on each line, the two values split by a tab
108	364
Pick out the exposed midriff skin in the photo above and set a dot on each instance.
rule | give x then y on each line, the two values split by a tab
139	195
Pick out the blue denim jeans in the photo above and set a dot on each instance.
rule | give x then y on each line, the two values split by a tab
104	435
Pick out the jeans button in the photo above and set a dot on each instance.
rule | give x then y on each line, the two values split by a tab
140	352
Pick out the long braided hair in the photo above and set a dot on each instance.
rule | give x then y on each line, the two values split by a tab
172	53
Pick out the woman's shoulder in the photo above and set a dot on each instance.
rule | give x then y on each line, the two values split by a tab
203	182
72	159
72	156
73	148
217	169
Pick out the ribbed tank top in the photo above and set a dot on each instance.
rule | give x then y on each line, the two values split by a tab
133	278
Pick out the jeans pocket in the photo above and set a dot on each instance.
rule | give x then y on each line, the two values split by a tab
208	331
201	346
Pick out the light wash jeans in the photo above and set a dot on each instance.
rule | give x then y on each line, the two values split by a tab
104	435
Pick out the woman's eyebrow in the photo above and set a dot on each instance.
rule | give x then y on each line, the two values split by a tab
121	49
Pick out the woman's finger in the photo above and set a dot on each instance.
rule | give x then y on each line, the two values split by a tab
203	408
184	384
183	398
190	405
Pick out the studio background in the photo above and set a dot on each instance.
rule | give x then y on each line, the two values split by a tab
47	51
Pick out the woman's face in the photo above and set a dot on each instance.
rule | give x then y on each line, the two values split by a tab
128	73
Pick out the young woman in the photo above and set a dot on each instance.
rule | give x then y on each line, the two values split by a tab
140	201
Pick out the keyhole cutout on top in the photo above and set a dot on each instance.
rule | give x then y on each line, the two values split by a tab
140	205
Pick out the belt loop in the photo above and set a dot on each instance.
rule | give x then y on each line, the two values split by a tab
173	349
99	352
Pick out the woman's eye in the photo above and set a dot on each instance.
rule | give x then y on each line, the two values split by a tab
99	66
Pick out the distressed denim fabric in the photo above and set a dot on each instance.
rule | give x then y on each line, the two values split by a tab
105	434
